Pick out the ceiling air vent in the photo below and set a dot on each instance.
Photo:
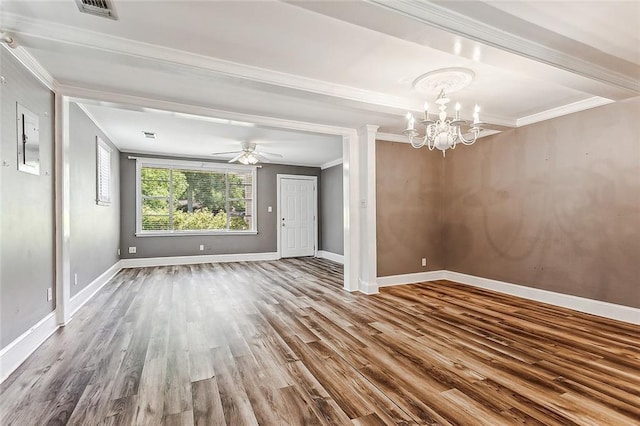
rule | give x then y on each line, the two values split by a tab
102	8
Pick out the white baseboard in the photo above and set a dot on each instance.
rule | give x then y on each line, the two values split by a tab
192	260
84	295
417	277
338	258
16	352
368	288
581	304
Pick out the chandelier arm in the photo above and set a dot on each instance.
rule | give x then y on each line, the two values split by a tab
419	144
471	141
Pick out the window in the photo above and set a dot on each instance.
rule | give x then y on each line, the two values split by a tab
103	173
181	197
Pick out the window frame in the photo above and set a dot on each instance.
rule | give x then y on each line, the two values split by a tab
99	177
196	166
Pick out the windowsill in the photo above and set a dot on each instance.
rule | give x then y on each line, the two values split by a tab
193	233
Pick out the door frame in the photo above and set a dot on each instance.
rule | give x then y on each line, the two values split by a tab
279	178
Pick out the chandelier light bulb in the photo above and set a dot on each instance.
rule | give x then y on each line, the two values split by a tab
457	106
412	121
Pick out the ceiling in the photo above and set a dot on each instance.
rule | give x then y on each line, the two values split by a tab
343	64
198	136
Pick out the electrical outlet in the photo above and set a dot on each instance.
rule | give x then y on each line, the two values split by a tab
118	252
269	209
132	250
49	294
75	279
201	247
424	261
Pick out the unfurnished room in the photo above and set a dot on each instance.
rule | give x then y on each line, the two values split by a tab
359	212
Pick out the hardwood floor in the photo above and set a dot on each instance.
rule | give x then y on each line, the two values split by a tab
280	343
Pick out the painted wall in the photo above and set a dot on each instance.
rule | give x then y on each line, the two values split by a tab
331	210
264	242
409	210
554	205
93	248
27	233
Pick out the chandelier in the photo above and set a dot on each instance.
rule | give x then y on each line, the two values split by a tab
443	133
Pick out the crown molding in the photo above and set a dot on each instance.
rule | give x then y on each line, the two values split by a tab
391	137
329	164
32	64
142	104
578	106
97	124
90	39
448	20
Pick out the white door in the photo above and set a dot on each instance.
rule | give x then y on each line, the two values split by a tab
297	220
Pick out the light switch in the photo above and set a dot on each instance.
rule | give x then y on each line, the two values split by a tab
269	209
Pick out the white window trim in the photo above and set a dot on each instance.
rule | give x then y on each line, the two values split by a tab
193	165
99	199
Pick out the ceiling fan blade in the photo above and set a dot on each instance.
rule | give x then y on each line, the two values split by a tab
225	153
237	157
269	154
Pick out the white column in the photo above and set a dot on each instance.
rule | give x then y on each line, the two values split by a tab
367	206
351	217
62	202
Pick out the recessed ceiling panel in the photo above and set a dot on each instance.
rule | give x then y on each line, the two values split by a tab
193	136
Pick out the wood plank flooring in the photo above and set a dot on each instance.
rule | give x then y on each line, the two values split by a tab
280	343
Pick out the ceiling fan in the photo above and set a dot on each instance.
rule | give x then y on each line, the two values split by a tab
249	155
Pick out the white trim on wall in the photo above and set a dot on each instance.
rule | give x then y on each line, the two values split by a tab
330	164
96	123
63	208
570	108
84	295
417	277
32	65
581	304
334	257
143	262
576	303
16	352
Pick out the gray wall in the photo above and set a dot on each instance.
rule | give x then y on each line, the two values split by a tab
331	211
554	205
95	230
409	210
265	241
27	236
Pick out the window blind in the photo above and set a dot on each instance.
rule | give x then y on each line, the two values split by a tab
182	199
103	173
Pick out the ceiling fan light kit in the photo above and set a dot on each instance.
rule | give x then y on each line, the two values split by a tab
444	133
248	155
